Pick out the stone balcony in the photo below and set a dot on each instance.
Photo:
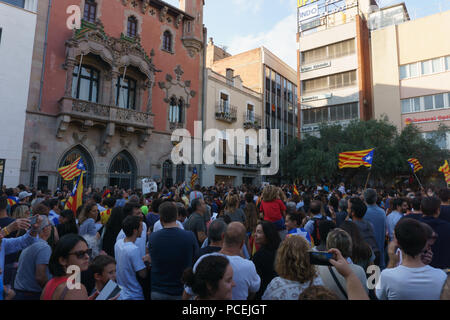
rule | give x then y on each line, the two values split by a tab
93	112
252	121
226	112
89	114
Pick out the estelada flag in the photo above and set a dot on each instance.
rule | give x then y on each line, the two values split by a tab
356	159
194	177
73	170
76	198
296	191
415	165
445	169
106	194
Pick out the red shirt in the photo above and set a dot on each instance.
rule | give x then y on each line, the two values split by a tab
272	210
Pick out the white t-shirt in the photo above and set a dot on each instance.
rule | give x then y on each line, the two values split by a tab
129	261
141	242
244	275
158	226
403	283
283	289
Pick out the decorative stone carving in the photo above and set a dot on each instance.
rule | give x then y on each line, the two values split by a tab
152	12
125	143
125	2
177	88
134	3
178	20
145	6
143	138
108	134
192	45
62	126
79	139
163	13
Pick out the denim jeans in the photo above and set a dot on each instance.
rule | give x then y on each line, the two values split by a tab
164	296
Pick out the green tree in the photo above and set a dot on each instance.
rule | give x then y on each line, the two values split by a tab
316	157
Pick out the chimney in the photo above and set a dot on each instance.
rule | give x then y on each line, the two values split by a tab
230	76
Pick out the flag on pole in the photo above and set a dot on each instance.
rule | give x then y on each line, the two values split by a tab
296	190
415	165
356	159
445	169
194	177
106	194
12	201
76	198
68	173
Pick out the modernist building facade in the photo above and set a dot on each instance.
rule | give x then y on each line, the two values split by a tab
411	80
113	91
334	63
17	25
230	105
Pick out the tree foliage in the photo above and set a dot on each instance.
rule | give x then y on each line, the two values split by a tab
315	158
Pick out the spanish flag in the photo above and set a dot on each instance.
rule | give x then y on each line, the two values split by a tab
73	170
356	159
76	198
415	165
445	169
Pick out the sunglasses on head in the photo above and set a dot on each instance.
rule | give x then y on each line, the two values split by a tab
81	254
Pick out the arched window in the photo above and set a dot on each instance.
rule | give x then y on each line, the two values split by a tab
167	41
167	173
176	110
126	93
70	158
90	11
122	172
132	27
86	86
181	172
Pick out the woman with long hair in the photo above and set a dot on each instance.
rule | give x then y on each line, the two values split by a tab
232	209
112	229
268	238
212	279
67	223
295	272
70	253
362	253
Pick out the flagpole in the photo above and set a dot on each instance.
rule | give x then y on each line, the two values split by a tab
368	177
418	180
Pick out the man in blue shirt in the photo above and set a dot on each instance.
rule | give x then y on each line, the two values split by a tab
400	208
315	209
172	250
377	217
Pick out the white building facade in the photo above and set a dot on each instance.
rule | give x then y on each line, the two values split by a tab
17	32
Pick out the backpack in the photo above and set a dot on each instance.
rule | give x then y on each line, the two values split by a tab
316	233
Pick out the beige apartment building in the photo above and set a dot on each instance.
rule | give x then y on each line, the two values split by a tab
411	73
333	62
275	82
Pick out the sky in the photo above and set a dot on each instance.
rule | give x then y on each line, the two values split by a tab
242	25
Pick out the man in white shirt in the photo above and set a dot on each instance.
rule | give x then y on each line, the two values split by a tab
133	209
130	262
244	272
412	280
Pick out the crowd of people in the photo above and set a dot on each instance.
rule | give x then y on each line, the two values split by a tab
224	242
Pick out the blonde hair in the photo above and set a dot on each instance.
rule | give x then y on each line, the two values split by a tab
270	193
21	212
232	202
292	261
281	195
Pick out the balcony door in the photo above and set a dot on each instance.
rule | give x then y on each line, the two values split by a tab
85	86
224	103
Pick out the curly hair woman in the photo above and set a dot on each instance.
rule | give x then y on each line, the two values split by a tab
295	272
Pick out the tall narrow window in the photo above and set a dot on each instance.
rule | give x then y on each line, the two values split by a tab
86	86
250	113
175	110
126	93
167	41
33	171
90	10
132	27
224	103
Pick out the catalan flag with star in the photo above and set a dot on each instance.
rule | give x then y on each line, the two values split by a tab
356	159
445	169
415	165
194	177
76	197
70	172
